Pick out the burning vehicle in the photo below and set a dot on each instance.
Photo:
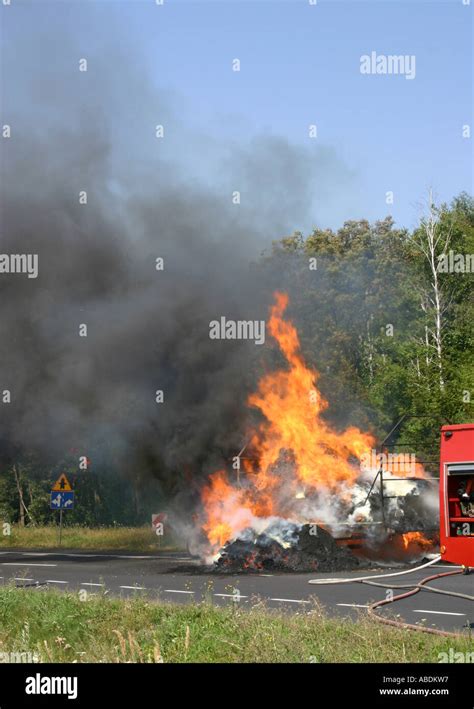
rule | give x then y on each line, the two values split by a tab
302	496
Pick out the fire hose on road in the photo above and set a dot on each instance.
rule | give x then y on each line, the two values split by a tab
419	587
321	582
413	589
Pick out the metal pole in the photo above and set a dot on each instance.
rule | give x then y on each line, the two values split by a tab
382	500
379	472
393	429
60	524
239	458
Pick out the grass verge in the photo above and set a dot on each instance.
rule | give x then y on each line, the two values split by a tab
59	627
137	539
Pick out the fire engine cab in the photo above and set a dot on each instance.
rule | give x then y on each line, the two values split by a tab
456	494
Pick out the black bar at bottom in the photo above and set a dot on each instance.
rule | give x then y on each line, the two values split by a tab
122	685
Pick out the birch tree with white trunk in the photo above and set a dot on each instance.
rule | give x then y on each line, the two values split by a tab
432	239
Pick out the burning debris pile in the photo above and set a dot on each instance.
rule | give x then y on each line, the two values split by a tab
298	474
285	546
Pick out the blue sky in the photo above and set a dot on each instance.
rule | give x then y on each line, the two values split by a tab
300	66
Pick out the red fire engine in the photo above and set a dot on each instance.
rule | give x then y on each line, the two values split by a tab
456	494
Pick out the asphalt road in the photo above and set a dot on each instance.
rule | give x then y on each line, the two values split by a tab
175	577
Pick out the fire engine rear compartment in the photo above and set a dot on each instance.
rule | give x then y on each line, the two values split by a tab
457	494
460	497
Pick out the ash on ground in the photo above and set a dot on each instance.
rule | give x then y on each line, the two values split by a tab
293	548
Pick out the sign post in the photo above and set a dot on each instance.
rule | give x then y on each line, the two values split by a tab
158	525
62	498
60	524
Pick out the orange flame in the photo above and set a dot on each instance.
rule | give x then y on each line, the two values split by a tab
226	507
294	448
292	407
416	539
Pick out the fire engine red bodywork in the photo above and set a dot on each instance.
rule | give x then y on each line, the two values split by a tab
456	470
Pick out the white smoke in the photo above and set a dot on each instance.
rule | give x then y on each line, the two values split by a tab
409	505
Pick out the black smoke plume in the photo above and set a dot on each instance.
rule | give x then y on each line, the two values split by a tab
147	198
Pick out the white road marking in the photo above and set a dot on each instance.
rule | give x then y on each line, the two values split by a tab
54	581
135	588
289	600
15	563
174	590
230	595
173	558
22	579
88	583
438	612
352	605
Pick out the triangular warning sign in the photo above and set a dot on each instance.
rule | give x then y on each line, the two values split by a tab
62	484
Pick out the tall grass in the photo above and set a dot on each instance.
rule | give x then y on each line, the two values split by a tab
60	627
77	537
